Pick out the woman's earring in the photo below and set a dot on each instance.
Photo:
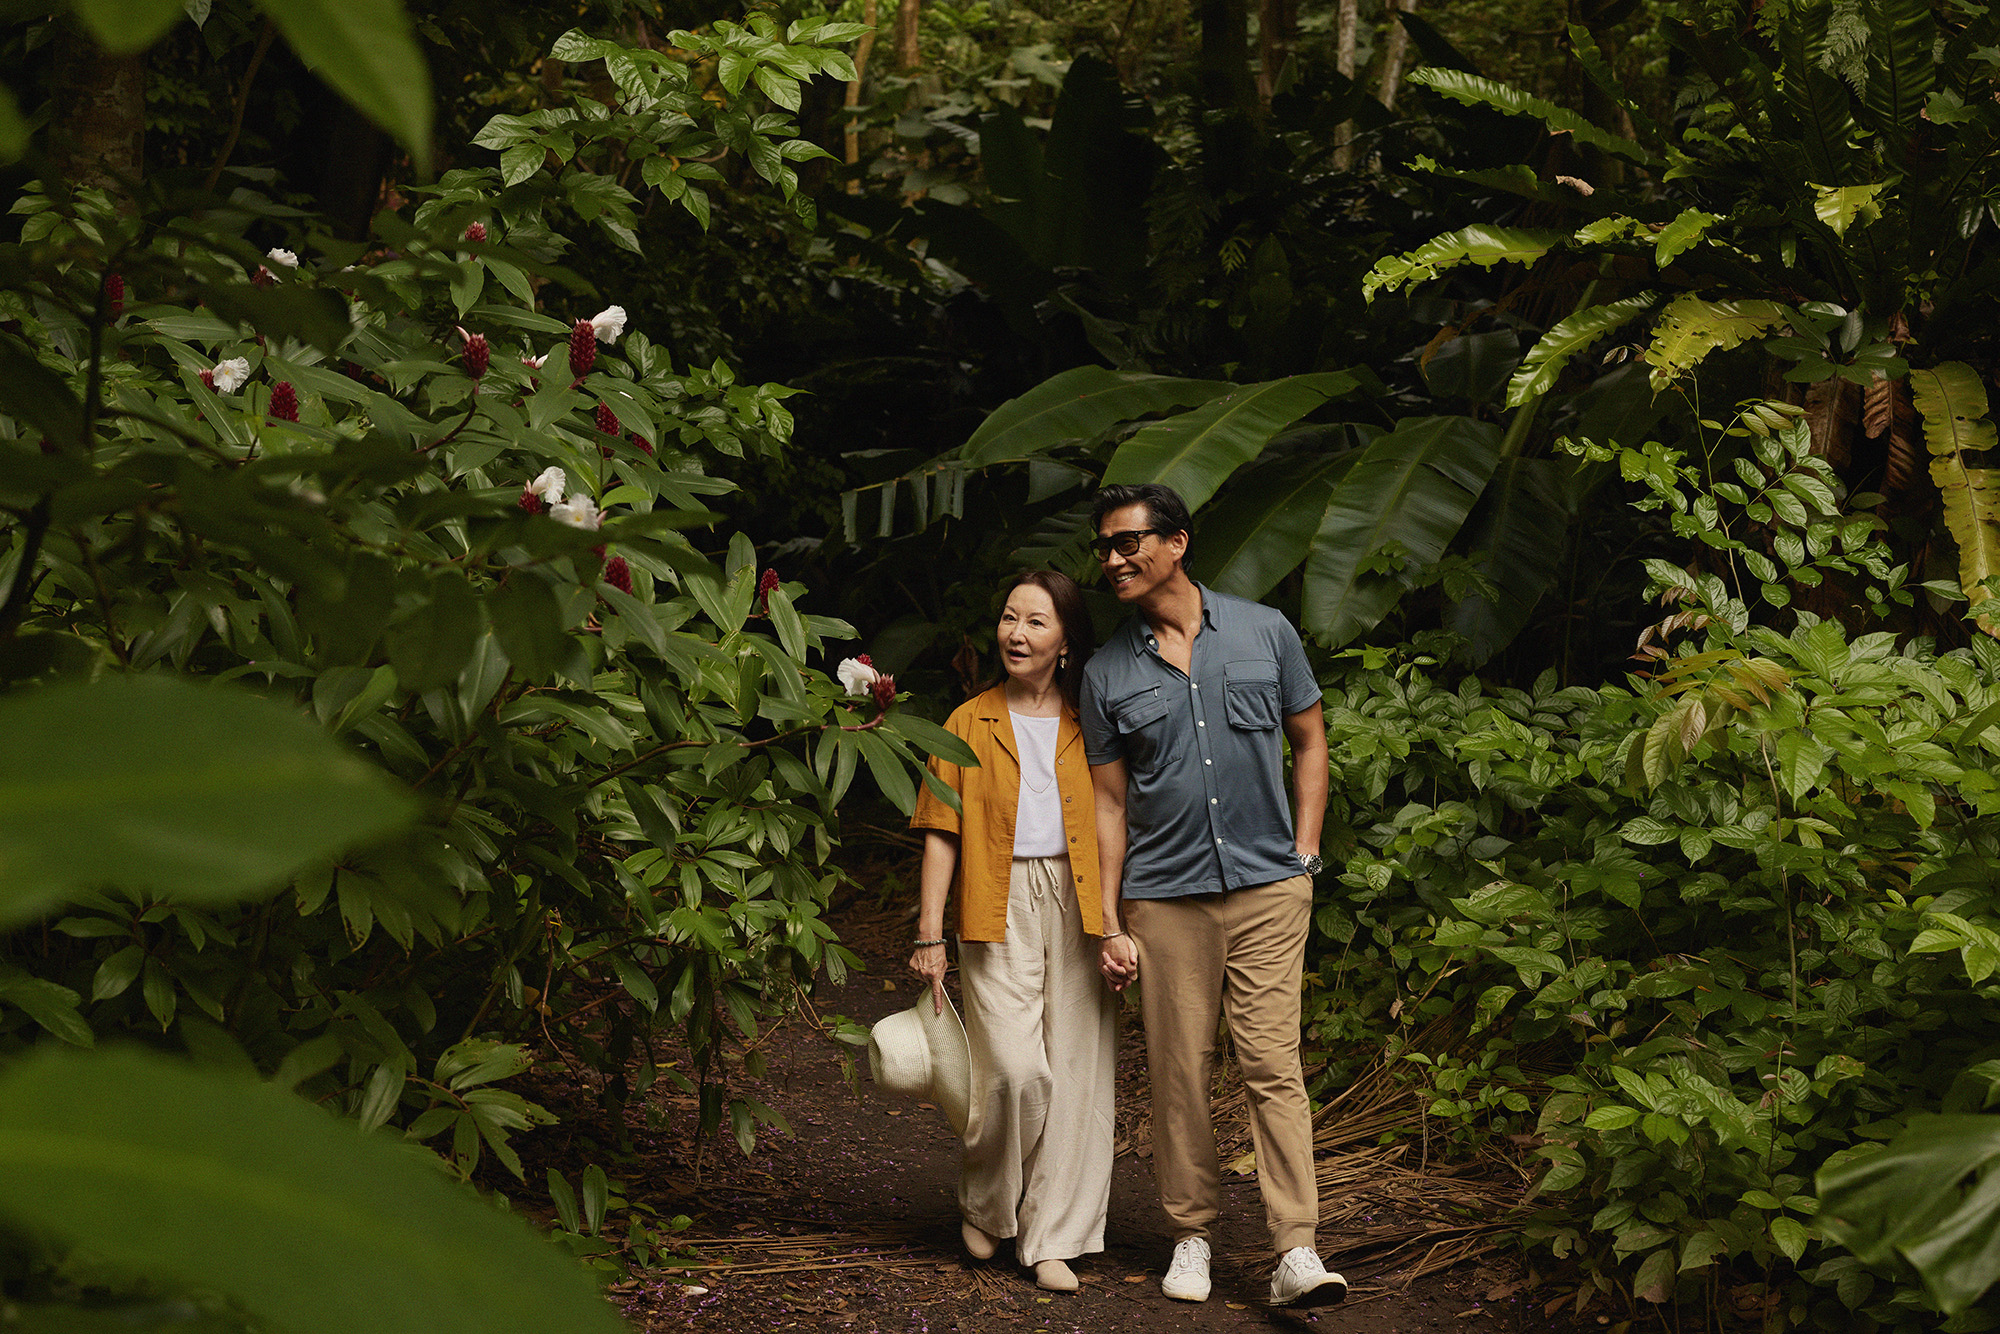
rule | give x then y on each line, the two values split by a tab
1062	662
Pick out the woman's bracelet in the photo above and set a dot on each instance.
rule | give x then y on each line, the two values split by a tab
926	944
1112	935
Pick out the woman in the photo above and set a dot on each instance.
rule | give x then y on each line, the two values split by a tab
1022	853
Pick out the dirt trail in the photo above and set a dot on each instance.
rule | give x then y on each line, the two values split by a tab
851	1223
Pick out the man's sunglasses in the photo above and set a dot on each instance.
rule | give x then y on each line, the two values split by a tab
1126	543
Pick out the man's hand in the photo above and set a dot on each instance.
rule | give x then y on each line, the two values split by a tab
1118	960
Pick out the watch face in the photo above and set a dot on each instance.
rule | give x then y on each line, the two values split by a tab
1313	864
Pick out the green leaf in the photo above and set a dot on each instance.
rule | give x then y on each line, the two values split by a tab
1613	1118
1839	205
892	772
928	736
13	128
48	1004
1522	524
1196	452
125	26
1791	1236
1413	486
1552	352
367	52
1078	405
1904	1201
148	783
431	644
1482	245
1261	531
37	395
1902	69
212	1180
1473	90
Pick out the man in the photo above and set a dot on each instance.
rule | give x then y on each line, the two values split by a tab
1205	873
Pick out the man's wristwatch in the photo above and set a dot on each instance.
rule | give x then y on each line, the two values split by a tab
1311	861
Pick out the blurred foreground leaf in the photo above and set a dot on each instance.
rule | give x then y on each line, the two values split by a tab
151	783
219	1182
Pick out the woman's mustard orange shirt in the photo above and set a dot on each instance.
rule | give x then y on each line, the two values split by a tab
989	796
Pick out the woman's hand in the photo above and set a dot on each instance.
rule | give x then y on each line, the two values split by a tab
929	963
1118	960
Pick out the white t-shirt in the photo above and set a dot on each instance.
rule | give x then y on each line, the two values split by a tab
1038	820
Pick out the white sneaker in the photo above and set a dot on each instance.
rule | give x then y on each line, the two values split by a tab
1301	1280
1187	1276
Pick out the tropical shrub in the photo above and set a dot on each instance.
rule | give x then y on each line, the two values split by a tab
424	493
1700	934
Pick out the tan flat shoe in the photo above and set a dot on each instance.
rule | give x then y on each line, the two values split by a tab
977	1244
1054	1276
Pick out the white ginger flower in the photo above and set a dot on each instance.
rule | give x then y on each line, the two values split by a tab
280	255
579	512
550	485
857	677
535	363
231	375
608	324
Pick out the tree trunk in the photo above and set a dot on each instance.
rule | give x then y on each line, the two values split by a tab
97	127
861	54
1347	21
907	55
1277	29
1225	56
1392	56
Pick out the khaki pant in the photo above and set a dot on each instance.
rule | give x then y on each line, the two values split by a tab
1238	954
1043	1029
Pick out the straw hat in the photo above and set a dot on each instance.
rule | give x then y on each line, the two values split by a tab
919	1053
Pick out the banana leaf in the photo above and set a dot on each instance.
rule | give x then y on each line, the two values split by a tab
1078	405
1520	523
1412	487
1195	452
1261	531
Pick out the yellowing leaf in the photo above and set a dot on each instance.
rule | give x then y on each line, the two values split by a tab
1839	205
1953	403
1692	327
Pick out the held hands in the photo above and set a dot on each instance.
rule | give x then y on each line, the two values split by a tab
1118	960
929	963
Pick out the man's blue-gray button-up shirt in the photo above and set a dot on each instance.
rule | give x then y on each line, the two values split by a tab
1206	808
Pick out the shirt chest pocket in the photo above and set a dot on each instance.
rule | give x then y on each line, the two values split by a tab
1149	736
1253	697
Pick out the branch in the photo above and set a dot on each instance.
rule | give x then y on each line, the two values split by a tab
25	582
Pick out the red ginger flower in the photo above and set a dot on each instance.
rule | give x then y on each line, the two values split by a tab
531	502
114	294
767	584
607	420
476	232
582	349
208	380
885	693
641	442
478	355
618	574
864	660
263	277
284	401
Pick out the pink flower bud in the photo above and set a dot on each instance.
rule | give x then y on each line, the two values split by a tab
532	503
476	232
114	294
478	354
582	349
885	693
284	401
640	442
618	574
607	420
864	660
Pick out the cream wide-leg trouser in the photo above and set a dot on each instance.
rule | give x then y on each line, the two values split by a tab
1043	1028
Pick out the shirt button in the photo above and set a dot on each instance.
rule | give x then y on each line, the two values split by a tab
1201	724
1195	685
1211	801
1208	761
1218	840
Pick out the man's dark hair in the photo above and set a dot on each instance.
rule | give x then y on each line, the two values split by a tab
1165	509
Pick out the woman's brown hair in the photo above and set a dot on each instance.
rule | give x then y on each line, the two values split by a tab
1076	627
